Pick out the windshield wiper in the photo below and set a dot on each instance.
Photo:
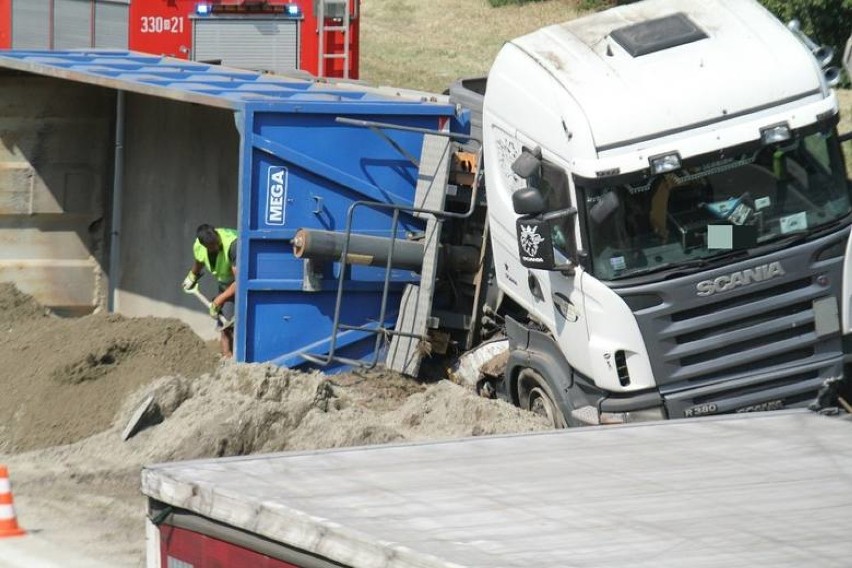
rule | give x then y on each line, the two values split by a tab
796	238
675	267
820	230
680	269
780	243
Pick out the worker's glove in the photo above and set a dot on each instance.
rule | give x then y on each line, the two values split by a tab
190	282
215	310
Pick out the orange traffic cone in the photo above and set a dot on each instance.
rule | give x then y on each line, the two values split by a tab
8	521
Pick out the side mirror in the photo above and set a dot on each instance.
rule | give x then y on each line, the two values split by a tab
528	163
539	234
528	201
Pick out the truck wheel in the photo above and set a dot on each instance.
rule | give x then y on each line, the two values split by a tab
534	394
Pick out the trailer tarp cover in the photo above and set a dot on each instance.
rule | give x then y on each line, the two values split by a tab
768	489
185	80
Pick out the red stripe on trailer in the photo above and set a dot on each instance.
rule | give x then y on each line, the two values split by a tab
196	549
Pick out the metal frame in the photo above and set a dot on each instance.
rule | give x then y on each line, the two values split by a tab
380	330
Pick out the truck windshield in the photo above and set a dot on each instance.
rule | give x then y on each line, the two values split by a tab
711	207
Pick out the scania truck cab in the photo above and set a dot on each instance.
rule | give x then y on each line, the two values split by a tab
669	212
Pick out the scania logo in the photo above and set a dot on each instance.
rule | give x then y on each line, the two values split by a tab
737	279
530	239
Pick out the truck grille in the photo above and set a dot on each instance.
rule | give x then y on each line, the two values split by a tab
747	334
743	334
768	345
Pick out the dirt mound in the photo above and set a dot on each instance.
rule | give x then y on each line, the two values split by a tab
237	409
259	408
70	387
242	409
15	306
64	379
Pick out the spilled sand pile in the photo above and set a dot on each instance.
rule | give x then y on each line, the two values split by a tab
63	379
71	386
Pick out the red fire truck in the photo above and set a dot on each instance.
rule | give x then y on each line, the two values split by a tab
317	36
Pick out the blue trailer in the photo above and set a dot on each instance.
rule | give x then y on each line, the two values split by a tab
172	144
301	168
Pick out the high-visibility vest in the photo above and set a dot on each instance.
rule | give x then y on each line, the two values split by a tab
222	269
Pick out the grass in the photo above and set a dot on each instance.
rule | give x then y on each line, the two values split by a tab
428	44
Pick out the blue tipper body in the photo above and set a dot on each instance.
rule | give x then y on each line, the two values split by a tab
298	168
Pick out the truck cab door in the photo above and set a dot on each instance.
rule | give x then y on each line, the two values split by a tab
557	296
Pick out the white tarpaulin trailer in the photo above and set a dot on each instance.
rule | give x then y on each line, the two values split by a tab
769	489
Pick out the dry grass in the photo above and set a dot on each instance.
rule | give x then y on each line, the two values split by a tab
428	44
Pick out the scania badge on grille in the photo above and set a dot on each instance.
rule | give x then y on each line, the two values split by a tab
740	278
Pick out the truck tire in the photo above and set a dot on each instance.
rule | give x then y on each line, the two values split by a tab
535	395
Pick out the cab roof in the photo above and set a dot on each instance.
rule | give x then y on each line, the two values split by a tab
631	67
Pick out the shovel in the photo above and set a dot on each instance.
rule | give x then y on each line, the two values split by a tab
207	303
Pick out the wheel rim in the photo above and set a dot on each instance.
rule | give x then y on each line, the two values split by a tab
535	396
540	404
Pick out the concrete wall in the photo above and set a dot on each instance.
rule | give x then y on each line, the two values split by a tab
55	173
181	164
181	170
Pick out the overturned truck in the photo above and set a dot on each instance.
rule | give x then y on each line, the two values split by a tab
628	251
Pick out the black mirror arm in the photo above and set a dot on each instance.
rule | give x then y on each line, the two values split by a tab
554	215
566	269
845	137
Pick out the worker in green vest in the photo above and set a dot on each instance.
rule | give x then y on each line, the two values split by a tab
215	250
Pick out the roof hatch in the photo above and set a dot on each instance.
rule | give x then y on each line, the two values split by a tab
657	34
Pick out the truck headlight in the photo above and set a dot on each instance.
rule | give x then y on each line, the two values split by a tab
664	163
775	133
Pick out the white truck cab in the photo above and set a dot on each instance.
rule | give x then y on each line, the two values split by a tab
669	209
